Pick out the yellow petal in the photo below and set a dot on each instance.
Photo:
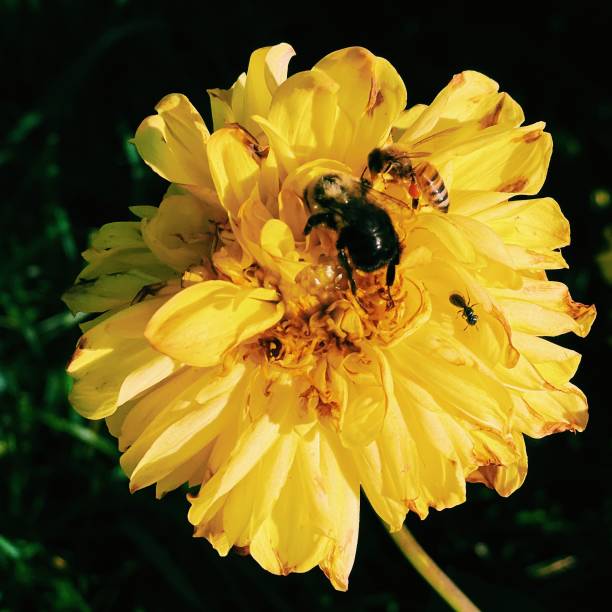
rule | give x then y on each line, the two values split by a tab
303	119
388	468
343	492
541	413
115	289
555	363
434	231
234	166
537	223
544	308
365	399
142	412
113	363
259	437
173	142
119	266
405	120
444	449
205	320
186	426
182	231
371	97
513	161
267	70
277	241
536	259
505	479
189	472
221	107
461	390
469	98
250	502
296	535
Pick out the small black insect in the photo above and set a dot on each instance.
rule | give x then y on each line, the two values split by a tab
467	309
366	237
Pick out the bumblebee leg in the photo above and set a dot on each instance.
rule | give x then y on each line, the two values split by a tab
323	218
390	279
344	262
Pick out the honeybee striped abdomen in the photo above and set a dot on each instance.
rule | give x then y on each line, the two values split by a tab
432	186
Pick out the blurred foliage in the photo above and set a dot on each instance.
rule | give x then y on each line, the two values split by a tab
79	77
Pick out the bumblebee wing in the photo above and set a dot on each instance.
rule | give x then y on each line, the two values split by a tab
381	199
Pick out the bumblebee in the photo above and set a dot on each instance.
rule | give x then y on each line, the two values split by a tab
367	239
423	178
471	318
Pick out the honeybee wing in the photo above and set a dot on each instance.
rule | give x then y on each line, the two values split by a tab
417	154
431	136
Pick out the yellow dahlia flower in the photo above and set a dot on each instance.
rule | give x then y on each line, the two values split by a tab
233	355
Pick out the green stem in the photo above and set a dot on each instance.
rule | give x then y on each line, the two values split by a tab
427	567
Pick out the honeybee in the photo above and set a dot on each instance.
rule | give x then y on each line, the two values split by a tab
367	239
423	177
456	299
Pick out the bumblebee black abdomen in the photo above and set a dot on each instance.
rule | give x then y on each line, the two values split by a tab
370	237
370	248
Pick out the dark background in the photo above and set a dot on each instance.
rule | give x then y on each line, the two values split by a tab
77	78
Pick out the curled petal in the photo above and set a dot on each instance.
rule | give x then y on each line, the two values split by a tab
181	233
365	402
185	426
234	160
201	323
469	104
544	308
371	96
302	123
173	142
113	363
505	478
267	70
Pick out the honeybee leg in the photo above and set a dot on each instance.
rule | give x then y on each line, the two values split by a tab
344	262
323	218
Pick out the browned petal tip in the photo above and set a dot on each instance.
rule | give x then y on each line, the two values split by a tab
530	137
250	142
493	117
376	97
81	345
458	79
514	186
243	551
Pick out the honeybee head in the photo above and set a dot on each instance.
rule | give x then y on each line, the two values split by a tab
376	161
